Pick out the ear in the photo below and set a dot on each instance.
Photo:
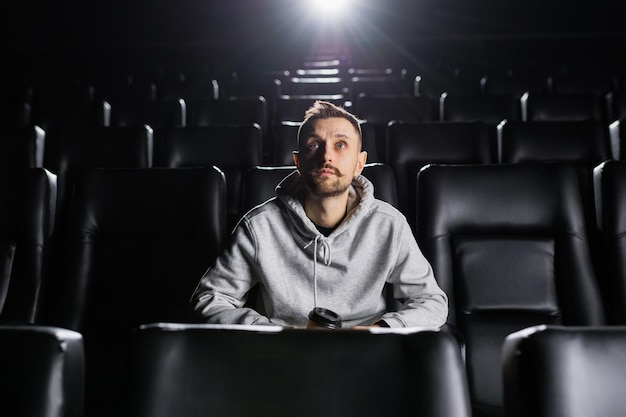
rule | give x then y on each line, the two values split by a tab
296	159
360	163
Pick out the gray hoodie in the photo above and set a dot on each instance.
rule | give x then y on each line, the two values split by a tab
276	247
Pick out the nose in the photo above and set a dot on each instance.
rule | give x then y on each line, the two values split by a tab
328	153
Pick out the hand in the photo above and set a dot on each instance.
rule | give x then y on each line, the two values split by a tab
366	327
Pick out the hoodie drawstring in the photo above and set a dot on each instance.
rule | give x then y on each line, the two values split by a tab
327	260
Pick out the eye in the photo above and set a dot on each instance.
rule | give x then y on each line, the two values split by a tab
313	146
341	145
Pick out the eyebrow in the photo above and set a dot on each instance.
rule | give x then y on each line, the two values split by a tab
339	135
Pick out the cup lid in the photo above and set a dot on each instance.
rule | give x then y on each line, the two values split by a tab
325	317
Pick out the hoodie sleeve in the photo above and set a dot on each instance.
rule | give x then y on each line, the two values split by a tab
222	292
422	301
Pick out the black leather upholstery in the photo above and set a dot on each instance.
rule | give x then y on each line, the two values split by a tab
22	147
42	371
158	114
58	102
583	144
487	108
259	184
508	244
380	110
70	150
204	370
285	142
610	198
411	146
292	109
243	111
27	210
138	242
566	107
391	85
564	371
313	86
233	149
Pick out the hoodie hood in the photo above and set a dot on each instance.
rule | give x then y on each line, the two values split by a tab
291	192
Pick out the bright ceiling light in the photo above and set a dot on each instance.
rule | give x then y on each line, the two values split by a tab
329	7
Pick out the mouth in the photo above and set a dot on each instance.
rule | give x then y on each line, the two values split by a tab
327	171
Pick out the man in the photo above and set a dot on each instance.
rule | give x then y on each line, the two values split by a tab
323	241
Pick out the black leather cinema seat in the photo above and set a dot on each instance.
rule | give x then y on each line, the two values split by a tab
565	371
204	370
158	114
610	198
27	210
242	111
411	146
69	150
509	246
233	149
565	107
41	372
138	242
487	108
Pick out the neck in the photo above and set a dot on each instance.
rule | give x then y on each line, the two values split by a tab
326	211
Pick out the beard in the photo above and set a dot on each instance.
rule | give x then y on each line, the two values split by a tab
327	186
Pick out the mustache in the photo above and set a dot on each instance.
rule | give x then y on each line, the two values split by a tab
330	167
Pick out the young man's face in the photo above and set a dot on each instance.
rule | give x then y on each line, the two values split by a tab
330	156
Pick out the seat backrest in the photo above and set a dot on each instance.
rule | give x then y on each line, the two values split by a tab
292	109
137	243
221	371
515	84
581	142
411	146
242	111
314	86
234	149
508	244
379	111
42	371
565	371
260	183
565	106
27	211
22	147
433	84
610	202
158	114
380	85
486	108
285	142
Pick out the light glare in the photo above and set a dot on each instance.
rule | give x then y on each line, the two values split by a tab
329	7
